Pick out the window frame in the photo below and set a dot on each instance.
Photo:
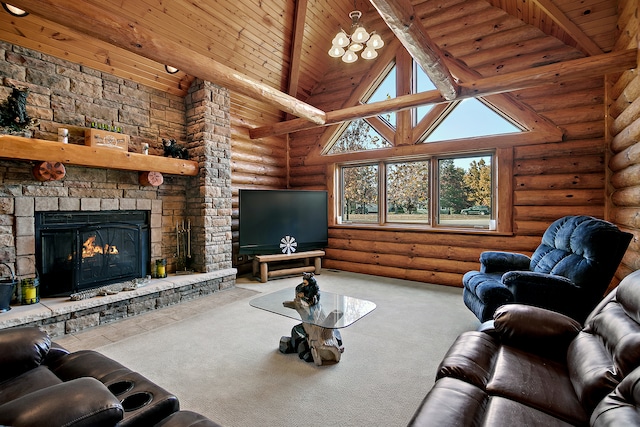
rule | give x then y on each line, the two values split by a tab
502	193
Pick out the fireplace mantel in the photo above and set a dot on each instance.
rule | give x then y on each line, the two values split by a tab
20	148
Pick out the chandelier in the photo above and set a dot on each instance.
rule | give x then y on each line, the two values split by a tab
346	46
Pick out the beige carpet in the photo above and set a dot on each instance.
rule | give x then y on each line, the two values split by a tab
225	363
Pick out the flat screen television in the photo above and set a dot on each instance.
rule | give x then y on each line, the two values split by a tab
282	221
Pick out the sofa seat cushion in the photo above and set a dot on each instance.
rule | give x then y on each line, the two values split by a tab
455	403
30	381
536	381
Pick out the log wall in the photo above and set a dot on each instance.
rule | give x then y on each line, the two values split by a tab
623	125
551	179
255	163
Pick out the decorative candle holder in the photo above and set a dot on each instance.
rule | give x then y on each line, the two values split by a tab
30	291
161	268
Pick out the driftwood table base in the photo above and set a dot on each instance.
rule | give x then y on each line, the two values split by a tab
318	337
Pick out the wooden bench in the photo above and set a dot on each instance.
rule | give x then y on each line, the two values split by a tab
261	264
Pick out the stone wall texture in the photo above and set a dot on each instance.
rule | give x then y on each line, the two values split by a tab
64	94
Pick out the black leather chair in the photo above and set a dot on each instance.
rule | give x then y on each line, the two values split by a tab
568	273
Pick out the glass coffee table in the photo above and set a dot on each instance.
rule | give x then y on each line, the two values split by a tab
317	337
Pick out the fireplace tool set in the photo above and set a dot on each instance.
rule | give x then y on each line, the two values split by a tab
183	247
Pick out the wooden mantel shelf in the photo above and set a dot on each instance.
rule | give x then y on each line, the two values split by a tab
19	148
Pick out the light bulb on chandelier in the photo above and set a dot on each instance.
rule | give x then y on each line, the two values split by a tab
345	46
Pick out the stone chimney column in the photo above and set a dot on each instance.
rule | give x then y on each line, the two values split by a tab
209	197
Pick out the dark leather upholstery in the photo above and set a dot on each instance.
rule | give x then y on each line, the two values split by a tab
569	272
42	384
537	367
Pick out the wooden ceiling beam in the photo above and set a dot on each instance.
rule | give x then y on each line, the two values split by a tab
562	72
110	26
402	19
584	42
300	15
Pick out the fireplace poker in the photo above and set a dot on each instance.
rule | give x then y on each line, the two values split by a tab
189	239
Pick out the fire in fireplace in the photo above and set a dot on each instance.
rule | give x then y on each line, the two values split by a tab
76	251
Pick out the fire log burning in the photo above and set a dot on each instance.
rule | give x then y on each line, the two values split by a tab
90	249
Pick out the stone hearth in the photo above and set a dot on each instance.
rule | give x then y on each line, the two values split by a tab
60	316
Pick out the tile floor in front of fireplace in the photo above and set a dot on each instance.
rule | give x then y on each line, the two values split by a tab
98	336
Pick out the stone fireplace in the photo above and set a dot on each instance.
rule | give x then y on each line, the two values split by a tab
78	251
199	121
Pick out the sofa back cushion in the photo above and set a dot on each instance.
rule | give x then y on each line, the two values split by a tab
608	348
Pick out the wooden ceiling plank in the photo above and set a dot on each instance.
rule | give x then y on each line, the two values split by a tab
585	43
111	27
577	69
118	66
400	17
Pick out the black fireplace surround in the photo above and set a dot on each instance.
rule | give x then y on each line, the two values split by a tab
77	251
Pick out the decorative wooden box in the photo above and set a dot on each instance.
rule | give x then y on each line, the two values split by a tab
106	139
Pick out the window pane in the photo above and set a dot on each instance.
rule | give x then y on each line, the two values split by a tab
465	191
408	192
423	84
358	136
471	118
359	193
386	90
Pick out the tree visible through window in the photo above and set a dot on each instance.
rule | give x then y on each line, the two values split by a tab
408	192
441	190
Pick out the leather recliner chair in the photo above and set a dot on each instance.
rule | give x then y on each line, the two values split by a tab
568	273
535	367
42	384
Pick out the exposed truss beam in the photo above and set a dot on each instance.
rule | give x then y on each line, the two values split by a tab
561	72
584	42
401	18
300	15
112	27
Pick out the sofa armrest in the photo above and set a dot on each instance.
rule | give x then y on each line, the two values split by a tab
495	261
550	291
77	403
534	329
22	349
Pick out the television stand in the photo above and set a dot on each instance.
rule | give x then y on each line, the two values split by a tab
261	264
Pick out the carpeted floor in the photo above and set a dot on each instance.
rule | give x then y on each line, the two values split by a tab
224	362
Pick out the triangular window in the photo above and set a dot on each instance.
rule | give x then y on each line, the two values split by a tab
385	90
422	83
430	123
358	135
470	118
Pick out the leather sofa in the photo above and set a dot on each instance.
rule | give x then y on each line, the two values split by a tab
42	384
530	366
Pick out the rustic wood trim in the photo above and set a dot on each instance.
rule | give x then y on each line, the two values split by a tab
401	18
486	143
404	86
121	31
18	148
553	74
503	189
